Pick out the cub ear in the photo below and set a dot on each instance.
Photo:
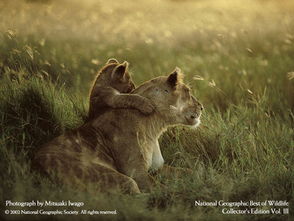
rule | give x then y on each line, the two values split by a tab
175	77
112	61
120	70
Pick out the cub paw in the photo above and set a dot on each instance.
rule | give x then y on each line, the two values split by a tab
146	107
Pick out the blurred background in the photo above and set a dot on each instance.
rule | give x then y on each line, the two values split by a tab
223	42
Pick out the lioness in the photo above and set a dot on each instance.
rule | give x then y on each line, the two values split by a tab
109	90
117	149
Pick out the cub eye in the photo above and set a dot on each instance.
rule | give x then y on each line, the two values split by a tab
166	90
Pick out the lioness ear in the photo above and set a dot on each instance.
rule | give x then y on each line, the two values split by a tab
112	61
175	77
120	70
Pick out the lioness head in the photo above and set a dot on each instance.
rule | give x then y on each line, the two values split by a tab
172	99
117	76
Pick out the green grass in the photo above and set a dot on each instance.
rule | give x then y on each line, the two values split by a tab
243	149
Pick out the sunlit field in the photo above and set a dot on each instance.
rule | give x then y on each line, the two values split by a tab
237	56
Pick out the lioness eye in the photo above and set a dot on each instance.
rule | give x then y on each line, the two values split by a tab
166	90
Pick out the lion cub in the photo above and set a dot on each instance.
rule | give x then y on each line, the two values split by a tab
112	83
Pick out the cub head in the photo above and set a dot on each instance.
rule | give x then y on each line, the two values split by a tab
121	79
117	76
172	99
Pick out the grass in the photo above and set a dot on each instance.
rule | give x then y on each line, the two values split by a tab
237	58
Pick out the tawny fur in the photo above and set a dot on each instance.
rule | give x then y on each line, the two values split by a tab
110	89
117	149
